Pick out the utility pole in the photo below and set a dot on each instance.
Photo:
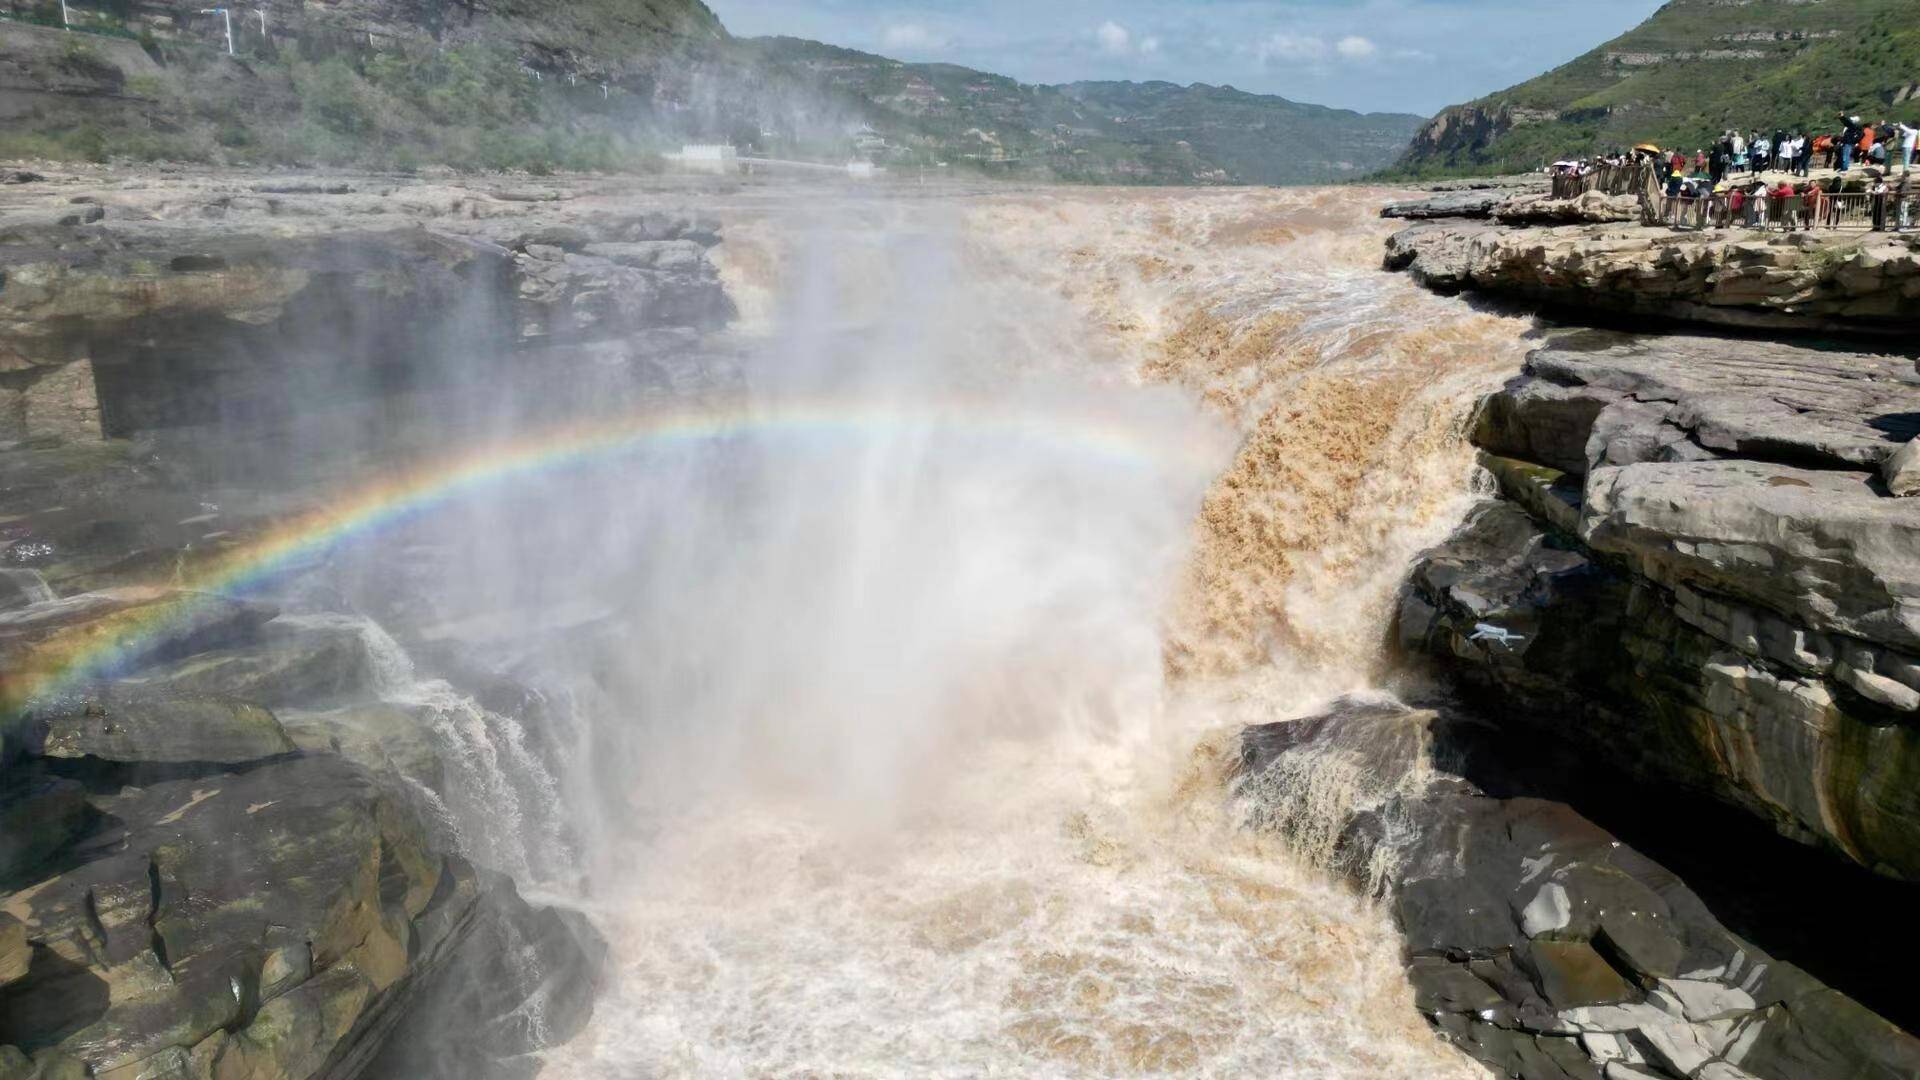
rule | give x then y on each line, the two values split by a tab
224	14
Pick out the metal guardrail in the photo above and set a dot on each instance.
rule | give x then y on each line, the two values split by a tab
1606	179
1792	213
1849	211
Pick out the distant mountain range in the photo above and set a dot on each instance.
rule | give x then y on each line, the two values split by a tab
605	83
1692	70
1106	132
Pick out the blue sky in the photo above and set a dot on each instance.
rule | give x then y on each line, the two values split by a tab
1378	55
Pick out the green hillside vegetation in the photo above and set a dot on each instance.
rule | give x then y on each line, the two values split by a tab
610	84
470	106
516	84
1252	137
1691	71
1110	132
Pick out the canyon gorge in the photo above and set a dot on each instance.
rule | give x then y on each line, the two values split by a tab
682	627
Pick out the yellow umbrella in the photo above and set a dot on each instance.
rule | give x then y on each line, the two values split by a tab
1648	147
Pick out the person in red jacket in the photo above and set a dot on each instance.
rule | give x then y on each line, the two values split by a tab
1813	206
1786	205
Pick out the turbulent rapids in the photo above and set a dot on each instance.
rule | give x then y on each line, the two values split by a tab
810	640
911	748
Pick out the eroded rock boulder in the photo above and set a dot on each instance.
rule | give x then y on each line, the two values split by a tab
277	921
1901	473
42	640
290	661
1590	208
1536	941
1822	547
1478	203
1826	406
212	896
509	1008
125	725
1850	282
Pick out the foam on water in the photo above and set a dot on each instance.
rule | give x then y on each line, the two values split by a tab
500	801
935	746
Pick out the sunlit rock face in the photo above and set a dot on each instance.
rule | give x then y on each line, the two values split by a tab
1824	281
1712	578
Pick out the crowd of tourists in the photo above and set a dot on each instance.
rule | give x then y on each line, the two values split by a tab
1725	185
1787	205
1875	145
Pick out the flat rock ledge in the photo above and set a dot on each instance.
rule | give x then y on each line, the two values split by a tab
1536	942
130	316
1848	282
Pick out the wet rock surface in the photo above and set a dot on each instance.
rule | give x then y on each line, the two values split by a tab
227	850
1538	942
198	895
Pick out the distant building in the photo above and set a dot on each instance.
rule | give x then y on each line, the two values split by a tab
707	157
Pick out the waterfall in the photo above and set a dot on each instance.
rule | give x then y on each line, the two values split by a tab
912	747
499	799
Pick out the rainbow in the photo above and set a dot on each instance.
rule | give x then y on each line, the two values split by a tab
141	618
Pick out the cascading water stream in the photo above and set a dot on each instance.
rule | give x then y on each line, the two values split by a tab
903	748
498	799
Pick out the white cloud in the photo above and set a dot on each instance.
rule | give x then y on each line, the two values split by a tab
1149	46
1294	48
1355	47
1114	38
908	36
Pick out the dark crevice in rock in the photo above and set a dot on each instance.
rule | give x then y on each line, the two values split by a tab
1685	620
1527	922
1796	902
156	941
111	777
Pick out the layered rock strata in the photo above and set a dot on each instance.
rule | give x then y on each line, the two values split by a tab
1709	584
1855	282
142	315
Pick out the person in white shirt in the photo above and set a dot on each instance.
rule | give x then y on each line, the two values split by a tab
1909	135
1739	152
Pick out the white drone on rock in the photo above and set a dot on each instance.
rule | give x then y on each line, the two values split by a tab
1496	634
